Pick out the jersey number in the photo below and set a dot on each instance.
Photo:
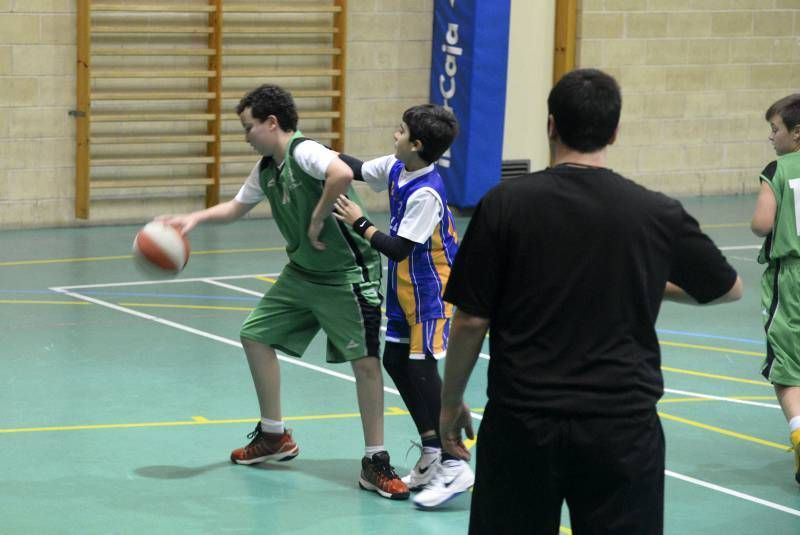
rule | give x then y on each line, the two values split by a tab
795	185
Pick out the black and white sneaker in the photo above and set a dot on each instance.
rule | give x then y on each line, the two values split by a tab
423	471
452	477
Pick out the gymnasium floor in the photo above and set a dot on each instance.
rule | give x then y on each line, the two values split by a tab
121	398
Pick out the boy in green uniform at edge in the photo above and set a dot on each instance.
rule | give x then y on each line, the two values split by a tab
332	281
776	218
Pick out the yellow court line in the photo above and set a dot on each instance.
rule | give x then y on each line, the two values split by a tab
123	257
564	530
693	400
196	420
267	279
734	434
34	302
715	376
713	348
198	307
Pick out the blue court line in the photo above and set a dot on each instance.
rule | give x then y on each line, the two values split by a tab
714	336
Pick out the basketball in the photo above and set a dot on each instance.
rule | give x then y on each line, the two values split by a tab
160	249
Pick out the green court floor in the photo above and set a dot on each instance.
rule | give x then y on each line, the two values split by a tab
121	398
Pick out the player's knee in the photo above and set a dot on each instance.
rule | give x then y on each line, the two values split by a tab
424	370
395	358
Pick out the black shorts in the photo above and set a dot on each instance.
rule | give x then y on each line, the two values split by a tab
610	471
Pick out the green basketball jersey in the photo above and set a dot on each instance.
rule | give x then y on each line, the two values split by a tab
293	194
783	176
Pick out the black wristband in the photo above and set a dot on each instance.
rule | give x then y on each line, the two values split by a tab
361	225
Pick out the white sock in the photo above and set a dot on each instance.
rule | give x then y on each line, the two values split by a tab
428	451
794	424
272	426
369	451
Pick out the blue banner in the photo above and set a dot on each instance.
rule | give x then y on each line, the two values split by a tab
468	76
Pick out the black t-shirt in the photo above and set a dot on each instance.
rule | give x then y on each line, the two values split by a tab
569	264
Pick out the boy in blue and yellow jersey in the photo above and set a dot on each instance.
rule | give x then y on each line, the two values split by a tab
421	246
776	218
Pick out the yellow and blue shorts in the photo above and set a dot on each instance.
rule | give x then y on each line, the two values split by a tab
425	338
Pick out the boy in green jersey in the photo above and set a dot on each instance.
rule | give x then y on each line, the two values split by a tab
776	218
332	281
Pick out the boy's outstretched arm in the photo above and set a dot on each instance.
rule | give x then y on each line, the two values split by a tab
395	247
221	213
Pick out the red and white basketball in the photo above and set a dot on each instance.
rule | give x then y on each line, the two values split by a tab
162	247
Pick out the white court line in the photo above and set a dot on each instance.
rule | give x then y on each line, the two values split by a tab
739	247
346	377
733	493
164	281
235	288
721	398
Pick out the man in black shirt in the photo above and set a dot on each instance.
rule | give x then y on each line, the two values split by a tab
568	266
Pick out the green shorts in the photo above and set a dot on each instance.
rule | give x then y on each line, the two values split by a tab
780	301
293	311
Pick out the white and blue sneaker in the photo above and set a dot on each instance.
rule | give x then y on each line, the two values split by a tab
452	478
423	471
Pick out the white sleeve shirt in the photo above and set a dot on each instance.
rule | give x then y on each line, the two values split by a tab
424	207
312	157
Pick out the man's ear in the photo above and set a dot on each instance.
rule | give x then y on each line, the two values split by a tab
552	133
614	136
416	145
272	121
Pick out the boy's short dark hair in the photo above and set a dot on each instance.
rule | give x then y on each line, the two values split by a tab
788	108
434	126
269	99
585	105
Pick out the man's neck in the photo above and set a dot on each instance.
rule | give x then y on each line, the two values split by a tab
565	155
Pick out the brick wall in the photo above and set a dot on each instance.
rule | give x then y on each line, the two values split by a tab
387	71
696	77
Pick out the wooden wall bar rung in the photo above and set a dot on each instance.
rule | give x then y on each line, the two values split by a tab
147	117
140	140
151	73
151	95
299	93
258	30
310	134
283	51
151	29
160	52
281	72
150	183
156	8
281	8
149	160
157	86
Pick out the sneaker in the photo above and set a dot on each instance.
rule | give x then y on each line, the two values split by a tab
452	477
379	476
423	471
795	438
266	447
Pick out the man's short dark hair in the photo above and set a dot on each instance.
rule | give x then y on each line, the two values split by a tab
585	105
788	108
268	99
434	126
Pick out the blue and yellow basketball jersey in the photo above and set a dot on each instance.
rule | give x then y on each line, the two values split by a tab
416	284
